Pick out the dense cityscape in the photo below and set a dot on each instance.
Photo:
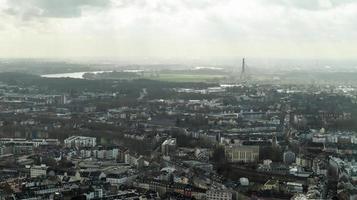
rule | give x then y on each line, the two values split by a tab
141	138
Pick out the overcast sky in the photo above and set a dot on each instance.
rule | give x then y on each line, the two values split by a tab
179	29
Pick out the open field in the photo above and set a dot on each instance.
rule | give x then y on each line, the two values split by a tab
186	77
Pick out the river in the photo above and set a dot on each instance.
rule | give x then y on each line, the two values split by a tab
78	75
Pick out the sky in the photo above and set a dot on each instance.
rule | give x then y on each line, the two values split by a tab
178	29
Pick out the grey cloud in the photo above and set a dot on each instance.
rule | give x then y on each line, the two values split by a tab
28	9
169	5
311	4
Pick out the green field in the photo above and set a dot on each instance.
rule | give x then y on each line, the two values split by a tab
186	77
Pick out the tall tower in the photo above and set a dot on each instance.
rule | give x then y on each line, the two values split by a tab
242	73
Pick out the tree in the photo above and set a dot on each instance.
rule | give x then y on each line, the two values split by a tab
218	155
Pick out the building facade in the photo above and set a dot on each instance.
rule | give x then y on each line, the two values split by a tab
239	153
80	141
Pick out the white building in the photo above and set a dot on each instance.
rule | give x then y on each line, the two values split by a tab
219	195
43	142
168	146
117	179
80	141
240	153
38	170
107	153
